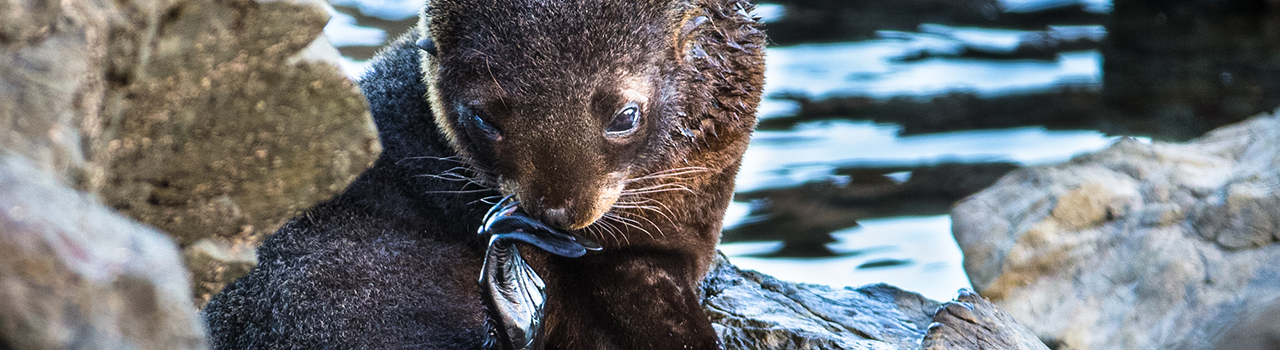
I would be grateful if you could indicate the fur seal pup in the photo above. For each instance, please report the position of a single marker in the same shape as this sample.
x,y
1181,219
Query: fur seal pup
x,y
618,121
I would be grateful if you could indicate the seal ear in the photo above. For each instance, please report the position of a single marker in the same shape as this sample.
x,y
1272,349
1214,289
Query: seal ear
x,y
684,38
428,45
424,21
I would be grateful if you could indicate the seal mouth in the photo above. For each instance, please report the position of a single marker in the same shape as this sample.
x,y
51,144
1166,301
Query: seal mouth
x,y
506,221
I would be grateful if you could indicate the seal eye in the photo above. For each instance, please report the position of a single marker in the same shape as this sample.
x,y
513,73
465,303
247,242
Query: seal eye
x,y
625,121
477,119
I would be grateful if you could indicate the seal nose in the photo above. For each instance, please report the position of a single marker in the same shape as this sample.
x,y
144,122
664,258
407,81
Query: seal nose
x,y
558,217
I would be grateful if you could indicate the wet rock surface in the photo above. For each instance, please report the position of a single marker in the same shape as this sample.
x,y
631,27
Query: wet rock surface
x,y
972,322
1138,246
751,310
213,121
76,275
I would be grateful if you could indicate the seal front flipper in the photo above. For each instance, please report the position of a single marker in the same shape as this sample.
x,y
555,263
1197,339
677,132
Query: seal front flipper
x,y
504,222
512,292
513,296
530,231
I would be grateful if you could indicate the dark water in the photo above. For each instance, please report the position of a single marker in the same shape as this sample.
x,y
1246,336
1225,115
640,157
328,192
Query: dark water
x,y
880,114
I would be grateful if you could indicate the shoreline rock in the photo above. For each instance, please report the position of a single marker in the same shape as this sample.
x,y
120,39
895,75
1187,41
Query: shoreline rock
x,y
213,121
76,274
751,310
1138,246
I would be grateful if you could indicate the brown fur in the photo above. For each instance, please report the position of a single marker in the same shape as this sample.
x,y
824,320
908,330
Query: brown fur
x,y
550,75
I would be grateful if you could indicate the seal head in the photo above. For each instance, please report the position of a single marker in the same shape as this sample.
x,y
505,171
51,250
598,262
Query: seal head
x,y
564,104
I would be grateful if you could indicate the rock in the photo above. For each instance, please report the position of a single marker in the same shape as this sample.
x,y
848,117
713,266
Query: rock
x,y
214,263
206,119
54,78
972,322
1138,246
75,275
751,310
241,120
1259,331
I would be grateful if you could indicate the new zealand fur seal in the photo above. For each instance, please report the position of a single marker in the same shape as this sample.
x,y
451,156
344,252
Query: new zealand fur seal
x,y
623,122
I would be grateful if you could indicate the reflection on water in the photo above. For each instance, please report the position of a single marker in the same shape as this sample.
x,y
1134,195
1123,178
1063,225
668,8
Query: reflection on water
x,y
811,151
839,20
875,69
913,253
880,114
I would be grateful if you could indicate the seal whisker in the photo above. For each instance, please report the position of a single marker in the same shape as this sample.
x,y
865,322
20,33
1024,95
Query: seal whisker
x,y
613,231
468,182
446,177
660,213
591,230
681,175
640,192
452,174
630,223
453,158
660,186
620,236
640,200
657,190
652,208
487,200
626,206
655,226
459,191
669,173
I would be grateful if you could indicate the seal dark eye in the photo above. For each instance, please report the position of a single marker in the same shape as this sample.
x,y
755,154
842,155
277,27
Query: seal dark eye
x,y
478,121
625,121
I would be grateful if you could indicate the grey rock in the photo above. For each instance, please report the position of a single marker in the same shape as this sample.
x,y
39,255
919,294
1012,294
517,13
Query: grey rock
x,y
751,310
215,262
240,120
1260,330
54,78
206,119
75,275
1138,246
972,322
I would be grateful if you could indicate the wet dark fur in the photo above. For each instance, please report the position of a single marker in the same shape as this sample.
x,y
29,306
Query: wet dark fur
x,y
392,262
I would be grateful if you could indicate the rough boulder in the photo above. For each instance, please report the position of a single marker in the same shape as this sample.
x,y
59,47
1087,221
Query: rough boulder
x,y
1138,246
